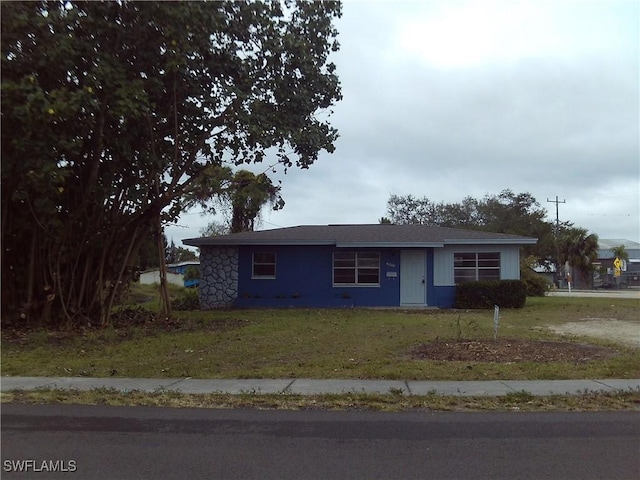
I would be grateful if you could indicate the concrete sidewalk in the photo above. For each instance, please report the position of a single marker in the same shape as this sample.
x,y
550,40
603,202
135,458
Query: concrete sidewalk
x,y
304,386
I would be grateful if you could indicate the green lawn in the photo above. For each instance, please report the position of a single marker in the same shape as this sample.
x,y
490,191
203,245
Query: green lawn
x,y
316,343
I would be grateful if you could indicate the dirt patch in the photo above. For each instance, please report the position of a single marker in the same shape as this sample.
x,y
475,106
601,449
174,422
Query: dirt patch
x,y
504,350
621,331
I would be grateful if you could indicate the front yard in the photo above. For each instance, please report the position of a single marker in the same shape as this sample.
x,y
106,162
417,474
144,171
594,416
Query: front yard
x,y
340,343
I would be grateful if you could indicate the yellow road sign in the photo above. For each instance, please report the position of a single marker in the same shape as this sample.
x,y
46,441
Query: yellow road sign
x,y
617,263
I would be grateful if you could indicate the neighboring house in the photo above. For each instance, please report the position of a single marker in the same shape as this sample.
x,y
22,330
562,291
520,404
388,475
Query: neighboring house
x,y
604,274
153,276
546,272
351,265
175,274
181,267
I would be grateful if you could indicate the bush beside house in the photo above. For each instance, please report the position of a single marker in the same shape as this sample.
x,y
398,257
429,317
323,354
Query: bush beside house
x,y
488,293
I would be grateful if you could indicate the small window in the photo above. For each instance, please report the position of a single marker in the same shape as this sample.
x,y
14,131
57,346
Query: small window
x,y
264,265
469,267
356,268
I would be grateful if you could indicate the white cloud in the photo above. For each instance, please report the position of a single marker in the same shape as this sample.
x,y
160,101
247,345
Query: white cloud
x,y
449,99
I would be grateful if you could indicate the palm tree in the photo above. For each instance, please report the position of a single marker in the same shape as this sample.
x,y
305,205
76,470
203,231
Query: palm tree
x,y
579,249
248,194
620,252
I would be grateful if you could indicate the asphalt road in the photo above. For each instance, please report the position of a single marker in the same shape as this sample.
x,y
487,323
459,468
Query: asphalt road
x,y
94,442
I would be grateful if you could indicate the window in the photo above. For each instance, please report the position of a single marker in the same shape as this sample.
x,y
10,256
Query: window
x,y
264,265
356,268
469,267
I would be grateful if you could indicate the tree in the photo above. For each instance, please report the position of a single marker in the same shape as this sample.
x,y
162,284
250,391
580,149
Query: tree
x,y
620,252
241,197
184,254
411,210
580,250
507,212
241,200
148,254
214,229
114,112
247,195
170,252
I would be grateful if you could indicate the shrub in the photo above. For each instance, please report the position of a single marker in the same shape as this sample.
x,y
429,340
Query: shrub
x,y
192,273
188,299
487,293
537,285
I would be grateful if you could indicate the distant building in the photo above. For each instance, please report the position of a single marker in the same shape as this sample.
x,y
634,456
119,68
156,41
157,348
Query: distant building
x,y
604,275
153,276
175,274
181,267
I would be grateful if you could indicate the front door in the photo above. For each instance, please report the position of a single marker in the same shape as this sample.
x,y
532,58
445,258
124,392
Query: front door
x,y
413,286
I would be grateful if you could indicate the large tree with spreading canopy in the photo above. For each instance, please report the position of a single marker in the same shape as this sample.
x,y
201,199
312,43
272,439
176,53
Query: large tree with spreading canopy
x,y
507,212
114,112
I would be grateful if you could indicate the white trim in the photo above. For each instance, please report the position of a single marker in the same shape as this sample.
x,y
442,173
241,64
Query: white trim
x,y
253,265
355,269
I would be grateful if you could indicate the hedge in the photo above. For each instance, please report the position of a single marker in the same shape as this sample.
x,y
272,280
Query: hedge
x,y
536,284
487,293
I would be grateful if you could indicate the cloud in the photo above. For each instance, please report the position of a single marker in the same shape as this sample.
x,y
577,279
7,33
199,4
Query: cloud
x,y
450,99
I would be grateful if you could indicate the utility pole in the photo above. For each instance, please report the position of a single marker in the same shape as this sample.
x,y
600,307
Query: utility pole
x,y
556,201
555,236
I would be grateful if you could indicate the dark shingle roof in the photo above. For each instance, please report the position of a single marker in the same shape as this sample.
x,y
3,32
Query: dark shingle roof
x,y
376,235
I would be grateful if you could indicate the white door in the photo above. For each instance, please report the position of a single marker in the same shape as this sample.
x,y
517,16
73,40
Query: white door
x,y
413,281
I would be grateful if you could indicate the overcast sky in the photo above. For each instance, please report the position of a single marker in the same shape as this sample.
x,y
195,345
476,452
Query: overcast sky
x,y
446,99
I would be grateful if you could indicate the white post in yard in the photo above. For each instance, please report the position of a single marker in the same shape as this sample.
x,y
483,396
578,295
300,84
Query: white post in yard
x,y
496,321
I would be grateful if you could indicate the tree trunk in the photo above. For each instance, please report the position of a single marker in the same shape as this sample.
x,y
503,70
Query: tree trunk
x,y
165,302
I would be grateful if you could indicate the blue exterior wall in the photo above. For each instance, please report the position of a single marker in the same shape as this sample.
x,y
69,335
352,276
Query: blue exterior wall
x,y
438,296
444,297
304,279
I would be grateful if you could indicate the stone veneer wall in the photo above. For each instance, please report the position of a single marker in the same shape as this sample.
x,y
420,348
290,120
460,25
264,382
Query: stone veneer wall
x,y
219,276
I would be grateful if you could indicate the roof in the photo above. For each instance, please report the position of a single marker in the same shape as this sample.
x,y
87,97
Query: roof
x,y
609,243
605,246
375,235
183,263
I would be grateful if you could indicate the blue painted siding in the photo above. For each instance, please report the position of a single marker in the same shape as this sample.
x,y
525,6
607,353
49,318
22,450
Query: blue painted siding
x,y
444,297
304,277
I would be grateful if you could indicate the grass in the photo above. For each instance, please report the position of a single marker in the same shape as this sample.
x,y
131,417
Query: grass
x,y
312,343
518,401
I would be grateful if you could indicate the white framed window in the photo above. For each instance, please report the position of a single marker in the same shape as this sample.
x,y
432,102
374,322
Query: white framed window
x,y
356,268
264,265
470,266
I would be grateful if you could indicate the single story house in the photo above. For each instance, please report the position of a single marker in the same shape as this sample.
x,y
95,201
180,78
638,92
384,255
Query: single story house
x,y
175,274
181,267
153,277
351,265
